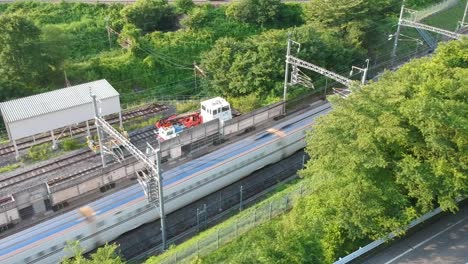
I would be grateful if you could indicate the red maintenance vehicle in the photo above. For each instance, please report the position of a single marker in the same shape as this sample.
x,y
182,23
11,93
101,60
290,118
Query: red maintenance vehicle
x,y
211,109
188,120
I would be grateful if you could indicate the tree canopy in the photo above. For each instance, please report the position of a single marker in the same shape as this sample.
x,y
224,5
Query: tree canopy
x,y
26,59
390,152
20,51
393,150
150,15
238,68
259,12
104,255
357,20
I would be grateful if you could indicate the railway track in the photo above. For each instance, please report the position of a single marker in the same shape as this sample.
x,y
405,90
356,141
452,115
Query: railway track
x,y
7,180
14,179
80,129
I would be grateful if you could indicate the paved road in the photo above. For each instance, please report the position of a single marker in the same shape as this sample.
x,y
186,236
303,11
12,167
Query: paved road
x,y
445,242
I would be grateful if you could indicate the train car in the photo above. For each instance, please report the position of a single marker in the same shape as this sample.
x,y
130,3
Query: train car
x,y
9,214
107,218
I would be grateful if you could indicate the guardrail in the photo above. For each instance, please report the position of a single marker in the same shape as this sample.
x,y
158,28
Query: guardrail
x,y
375,244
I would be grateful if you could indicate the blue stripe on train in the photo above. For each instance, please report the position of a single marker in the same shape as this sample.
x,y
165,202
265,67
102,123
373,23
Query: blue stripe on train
x,y
61,228
260,140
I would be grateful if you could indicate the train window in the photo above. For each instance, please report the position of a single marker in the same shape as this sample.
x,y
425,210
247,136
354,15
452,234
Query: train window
x,y
100,224
53,248
78,237
26,260
148,206
203,107
225,108
40,254
215,112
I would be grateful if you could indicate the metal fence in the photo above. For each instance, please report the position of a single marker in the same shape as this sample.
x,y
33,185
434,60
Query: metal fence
x,y
248,220
215,208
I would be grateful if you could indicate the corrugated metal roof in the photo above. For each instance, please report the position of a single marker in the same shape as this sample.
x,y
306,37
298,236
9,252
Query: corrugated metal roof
x,y
36,105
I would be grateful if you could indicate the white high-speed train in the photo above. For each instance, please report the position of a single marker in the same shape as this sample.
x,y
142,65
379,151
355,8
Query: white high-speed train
x,y
128,208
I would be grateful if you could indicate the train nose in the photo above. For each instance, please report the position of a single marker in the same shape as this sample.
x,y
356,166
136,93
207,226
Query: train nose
x,y
87,212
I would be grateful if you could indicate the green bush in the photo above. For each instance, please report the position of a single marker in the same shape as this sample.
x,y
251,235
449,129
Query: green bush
x,y
71,144
245,104
197,18
187,107
40,152
141,122
420,3
150,15
259,12
9,167
184,5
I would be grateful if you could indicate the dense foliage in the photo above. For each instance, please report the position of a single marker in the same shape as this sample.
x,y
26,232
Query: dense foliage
x,y
392,151
256,66
71,39
258,12
358,21
24,60
150,15
104,255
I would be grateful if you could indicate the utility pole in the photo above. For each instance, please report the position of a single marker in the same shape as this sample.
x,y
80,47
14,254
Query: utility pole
x,y
195,74
397,34
108,32
67,82
286,74
160,195
150,177
364,71
462,23
98,130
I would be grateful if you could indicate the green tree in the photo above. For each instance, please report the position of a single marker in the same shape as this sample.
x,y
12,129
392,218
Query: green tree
x,y
197,17
360,21
261,12
104,255
238,68
184,5
150,15
391,151
388,153
12,89
21,57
